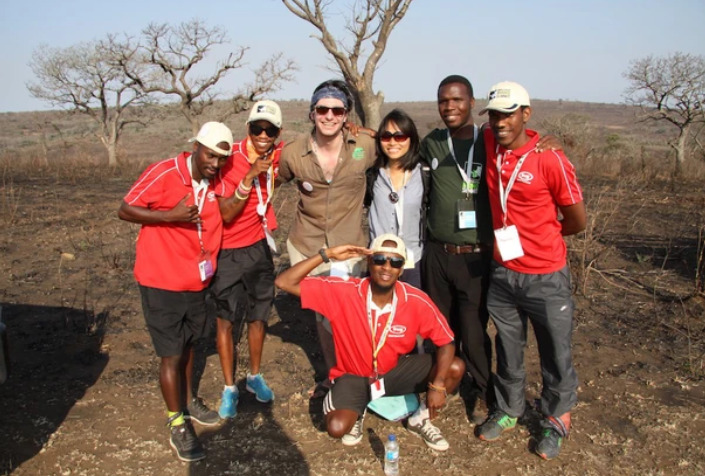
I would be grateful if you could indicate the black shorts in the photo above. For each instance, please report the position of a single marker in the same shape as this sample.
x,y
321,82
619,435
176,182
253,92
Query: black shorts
x,y
244,274
174,319
352,392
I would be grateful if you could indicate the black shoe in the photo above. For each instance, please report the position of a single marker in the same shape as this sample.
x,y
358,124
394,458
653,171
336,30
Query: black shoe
x,y
198,411
184,441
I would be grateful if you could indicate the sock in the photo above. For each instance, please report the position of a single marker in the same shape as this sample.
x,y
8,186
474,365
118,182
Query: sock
x,y
232,388
176,421
419,415
251,376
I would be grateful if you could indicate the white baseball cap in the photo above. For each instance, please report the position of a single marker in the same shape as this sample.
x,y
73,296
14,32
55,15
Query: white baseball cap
x,y
507,97
212,134
398,248
266,111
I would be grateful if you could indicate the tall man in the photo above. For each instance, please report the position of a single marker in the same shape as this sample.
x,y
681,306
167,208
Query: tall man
x,y
530,275
375,323
176,255
459,248
329,166
245,266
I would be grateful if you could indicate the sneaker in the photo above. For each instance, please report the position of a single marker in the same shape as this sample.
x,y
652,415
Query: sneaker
x,y
200,413
430,434
497,423
551,439
480,412
184,441
228,403
354,436
257,385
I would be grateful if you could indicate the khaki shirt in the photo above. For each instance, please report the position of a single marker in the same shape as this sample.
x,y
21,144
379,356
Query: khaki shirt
x,y
328,214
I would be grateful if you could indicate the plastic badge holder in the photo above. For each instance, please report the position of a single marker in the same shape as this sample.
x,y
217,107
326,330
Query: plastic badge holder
x,y
395,407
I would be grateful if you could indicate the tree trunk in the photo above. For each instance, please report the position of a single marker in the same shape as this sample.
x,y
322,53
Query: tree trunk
x,y
368,106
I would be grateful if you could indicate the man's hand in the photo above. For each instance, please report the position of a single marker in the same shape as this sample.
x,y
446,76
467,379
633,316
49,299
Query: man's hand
x,y
549,142
259,166
435,400
343,252
184,213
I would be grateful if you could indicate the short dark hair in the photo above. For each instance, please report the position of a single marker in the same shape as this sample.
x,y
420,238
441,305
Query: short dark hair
x,y
339,85
406,125
456,78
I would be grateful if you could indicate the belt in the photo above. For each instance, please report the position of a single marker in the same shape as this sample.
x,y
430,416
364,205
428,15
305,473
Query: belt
x,y
463,249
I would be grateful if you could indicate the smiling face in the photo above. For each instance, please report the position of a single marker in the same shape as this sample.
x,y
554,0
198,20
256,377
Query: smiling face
x,y
325,119
392,149
509,128
262,141
455,105
206,162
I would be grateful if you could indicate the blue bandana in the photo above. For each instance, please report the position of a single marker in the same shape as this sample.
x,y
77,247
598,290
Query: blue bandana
x,y
329,92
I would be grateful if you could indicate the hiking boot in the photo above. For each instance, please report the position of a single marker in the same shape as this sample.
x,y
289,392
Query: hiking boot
x,y
198,411
551,439
354,436
257,385
497,423
228,403
430,434
183,440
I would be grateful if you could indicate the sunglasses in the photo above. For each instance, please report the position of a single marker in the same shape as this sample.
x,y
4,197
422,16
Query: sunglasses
x,y
323,110
386,136
271,131
394,261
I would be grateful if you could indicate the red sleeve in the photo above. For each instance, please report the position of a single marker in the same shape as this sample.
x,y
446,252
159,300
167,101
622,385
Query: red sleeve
x,y
147,190
433,324
560,177
314,291
228,178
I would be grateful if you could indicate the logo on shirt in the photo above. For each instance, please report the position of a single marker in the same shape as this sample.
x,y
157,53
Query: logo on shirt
x,y
525,177
358,153
211,196
397,330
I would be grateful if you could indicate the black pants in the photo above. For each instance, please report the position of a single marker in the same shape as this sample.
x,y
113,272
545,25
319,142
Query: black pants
x,y
458,286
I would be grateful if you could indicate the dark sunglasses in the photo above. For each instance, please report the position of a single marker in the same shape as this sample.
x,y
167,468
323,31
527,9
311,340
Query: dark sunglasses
x,y
394,261
323,110
386,136
271,131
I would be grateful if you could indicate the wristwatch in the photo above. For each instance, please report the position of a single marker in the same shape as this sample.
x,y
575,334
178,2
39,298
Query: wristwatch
x,y
323,254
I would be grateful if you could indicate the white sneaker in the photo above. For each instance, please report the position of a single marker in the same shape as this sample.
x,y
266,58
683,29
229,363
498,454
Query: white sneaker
x,y
354,436
430,434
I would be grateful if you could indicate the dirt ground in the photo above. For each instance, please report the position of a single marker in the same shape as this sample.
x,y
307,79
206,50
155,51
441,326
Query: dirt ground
x,y
83,394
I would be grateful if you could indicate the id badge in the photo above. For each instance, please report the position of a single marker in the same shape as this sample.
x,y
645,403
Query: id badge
x,y
410,261
466,215
205,266
508,243
377,389
270,240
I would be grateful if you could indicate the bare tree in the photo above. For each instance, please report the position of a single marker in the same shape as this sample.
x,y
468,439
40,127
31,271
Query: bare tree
x,y
85,79
670,89
171,54
370,23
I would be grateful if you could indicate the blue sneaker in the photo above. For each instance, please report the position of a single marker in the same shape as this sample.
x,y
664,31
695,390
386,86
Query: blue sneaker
x,y
257,385
228,403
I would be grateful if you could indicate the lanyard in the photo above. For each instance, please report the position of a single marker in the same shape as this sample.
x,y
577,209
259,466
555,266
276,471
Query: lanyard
x,y
399,205
504,194
200,190
373,327
262,204
468,164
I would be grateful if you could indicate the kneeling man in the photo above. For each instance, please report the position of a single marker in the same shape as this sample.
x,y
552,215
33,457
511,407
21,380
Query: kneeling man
x,y
375,322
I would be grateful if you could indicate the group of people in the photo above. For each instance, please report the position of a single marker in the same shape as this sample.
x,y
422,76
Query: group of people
x,y
448,247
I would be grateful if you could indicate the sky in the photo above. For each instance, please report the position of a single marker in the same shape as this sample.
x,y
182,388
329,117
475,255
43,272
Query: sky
x,y
569,49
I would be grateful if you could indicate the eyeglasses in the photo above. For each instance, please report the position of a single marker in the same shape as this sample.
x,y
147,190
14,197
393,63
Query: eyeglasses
x,y
271,131
398,137
323,110
394,261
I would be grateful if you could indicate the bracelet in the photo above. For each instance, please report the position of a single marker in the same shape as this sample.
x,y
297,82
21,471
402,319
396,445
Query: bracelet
x,y
240,196
243,187
437,388
243,192
324,255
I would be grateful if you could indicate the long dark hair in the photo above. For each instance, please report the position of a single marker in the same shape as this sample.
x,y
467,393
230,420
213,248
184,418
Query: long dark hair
x,y
406,125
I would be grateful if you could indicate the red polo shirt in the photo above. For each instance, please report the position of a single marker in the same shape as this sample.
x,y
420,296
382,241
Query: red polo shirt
x,y
546,180
246,228
344,303
168,253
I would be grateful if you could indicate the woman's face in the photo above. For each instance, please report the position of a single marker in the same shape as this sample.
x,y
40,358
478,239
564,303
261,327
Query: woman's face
x,y
395,144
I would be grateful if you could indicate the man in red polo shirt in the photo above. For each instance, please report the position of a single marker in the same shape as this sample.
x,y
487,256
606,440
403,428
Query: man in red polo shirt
x,y
245,267
177,247
370,365
530,276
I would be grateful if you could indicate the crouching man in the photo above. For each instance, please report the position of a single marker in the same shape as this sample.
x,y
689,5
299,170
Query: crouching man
x,y
375,322
177,251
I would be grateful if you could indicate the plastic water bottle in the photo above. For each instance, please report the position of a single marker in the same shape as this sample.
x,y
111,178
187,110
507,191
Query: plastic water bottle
x,y
391,456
